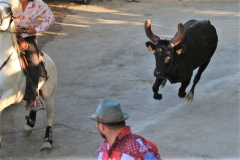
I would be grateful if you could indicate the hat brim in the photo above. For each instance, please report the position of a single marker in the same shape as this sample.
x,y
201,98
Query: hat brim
x,y
125,116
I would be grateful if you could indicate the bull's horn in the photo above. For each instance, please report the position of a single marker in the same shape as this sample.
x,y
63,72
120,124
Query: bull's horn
x,y
149,33
179,35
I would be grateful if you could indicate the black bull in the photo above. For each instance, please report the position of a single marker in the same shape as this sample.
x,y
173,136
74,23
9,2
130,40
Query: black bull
x,y
192,47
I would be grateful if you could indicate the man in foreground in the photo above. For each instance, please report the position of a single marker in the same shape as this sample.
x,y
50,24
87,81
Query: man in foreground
x,y
119,142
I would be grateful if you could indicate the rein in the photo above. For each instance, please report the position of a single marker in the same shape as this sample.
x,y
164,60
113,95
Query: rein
x,y
8,31
4,63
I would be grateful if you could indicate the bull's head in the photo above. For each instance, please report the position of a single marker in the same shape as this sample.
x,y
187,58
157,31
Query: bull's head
x,y
164,49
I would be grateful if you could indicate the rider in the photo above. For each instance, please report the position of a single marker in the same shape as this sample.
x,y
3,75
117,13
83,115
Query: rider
x,y
26,23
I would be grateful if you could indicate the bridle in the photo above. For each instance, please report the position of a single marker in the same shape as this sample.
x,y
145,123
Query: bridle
x,y
3,17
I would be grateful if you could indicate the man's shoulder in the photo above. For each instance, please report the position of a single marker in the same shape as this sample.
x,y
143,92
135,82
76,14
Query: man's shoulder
x,y
136,141
143,144
139,138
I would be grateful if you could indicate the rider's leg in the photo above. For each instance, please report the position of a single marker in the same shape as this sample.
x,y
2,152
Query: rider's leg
x,y
34,70
32,56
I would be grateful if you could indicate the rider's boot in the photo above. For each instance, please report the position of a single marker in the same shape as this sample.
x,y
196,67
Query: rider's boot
x,y
35,105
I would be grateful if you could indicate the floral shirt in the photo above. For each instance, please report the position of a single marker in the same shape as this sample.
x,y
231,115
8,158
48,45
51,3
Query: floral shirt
x,y
128,146
29,17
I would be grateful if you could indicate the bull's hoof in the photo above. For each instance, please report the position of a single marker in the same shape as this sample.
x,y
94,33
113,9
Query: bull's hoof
x,y
182,95
46,148
189,97
27,131
157,96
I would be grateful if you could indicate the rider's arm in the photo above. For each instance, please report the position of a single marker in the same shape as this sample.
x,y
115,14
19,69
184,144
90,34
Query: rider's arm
x,y
48,18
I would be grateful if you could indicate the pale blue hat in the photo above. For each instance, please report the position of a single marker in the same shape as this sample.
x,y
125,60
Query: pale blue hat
x,y
109,111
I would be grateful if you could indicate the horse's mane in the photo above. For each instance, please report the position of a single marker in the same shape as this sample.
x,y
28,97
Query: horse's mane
x,y
14,37
15,4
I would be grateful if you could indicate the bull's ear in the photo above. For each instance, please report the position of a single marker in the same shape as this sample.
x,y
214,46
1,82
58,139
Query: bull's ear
x,y
150,46
180,49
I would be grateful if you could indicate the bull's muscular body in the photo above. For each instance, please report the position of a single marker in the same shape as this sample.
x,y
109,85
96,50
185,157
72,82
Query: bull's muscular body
x,y
192,47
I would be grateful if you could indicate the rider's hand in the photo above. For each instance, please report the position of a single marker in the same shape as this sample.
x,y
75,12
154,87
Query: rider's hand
x,y
30,30
19,30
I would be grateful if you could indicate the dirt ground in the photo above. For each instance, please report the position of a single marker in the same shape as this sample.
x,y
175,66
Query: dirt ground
x,y
99,50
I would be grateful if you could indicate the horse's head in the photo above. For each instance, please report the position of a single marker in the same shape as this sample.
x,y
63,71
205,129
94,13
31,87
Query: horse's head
x,y
6,18
6,12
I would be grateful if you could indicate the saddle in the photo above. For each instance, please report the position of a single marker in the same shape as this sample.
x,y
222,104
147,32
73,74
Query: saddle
x,y
23,45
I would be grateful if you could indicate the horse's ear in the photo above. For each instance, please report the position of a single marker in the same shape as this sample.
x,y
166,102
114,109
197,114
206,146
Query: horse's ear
x,y
150,46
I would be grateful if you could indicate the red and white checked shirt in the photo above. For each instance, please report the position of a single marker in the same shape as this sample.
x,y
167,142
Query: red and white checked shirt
x,y
128,146
29,18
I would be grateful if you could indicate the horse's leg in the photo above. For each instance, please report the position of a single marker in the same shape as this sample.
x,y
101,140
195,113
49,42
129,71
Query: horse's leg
x,y
197,77
47,93
0,129
47,141
31,119
6,100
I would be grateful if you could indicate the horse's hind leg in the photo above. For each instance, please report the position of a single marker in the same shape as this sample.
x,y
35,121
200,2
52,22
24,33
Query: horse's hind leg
x,y
47,141
31,119
47,93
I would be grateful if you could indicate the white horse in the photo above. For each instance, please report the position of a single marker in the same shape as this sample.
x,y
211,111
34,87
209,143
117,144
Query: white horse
x,y
13,80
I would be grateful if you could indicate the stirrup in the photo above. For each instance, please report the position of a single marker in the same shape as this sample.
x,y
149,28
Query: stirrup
x,y
35,105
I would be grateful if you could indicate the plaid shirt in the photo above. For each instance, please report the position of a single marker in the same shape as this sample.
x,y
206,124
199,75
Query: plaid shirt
x,y
29,18
128,146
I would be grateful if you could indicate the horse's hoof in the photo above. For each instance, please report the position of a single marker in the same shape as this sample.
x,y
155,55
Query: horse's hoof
x,y
27,131
182,95
157,96
46,148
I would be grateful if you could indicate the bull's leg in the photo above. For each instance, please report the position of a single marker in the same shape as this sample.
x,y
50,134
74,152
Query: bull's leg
x,y
197,77
181,91
31,119
163,83
155,89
